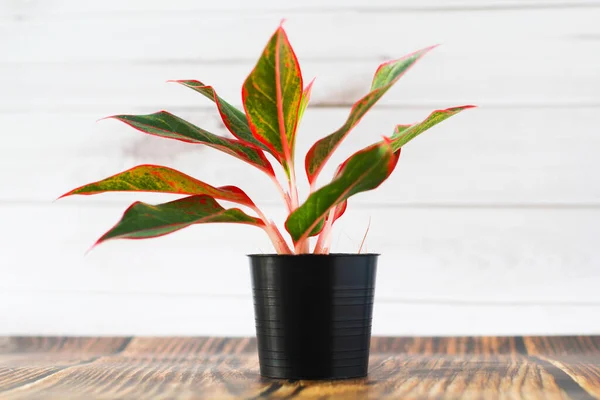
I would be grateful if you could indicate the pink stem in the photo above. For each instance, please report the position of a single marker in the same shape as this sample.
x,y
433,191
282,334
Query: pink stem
x,y
364,237
274,234
293,188
322,246
284,195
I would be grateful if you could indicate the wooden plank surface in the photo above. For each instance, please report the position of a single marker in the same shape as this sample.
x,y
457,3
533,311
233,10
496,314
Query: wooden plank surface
x,y
577,357
164,36
55,8
208,367
450,271
534,157
518,251
452,74
489,225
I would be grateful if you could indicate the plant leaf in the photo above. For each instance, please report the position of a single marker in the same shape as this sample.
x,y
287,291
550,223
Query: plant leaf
x,y
305,99
401,128
234,119
272,94
155,178
385,77
340,209
405,133
167,125
142,220
363,171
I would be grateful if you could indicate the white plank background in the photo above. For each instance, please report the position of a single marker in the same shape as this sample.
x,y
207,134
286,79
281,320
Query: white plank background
x,y
490,224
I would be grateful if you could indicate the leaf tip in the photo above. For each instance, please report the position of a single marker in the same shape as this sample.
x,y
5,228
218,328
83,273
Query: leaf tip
x,y
93,246
109,117
64,195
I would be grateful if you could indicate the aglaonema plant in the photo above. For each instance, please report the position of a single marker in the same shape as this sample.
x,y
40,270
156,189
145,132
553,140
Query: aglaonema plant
x,y
274,99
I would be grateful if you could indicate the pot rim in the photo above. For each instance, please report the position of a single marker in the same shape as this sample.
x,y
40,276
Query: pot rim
x,y
310,255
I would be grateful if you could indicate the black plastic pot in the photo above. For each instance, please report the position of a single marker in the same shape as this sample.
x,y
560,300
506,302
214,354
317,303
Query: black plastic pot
x,y
313,314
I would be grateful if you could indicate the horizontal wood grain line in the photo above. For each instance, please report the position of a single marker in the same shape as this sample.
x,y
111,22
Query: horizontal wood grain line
x,y
102,109
482,156
116,315
400,367
227,60
248,297
31,345
25,202
468,255
22,15
565,381
448,76
138,39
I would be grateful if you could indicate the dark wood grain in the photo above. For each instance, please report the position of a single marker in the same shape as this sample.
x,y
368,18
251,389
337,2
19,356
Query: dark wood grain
x,y
576,356
227,368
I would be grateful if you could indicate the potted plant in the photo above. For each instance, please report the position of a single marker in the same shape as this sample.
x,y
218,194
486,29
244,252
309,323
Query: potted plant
x,y
313,309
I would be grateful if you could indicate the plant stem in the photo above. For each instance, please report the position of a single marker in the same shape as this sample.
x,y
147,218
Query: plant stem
x,y
365,236
272,231
322,246
293,187
278,241
284,195
303,246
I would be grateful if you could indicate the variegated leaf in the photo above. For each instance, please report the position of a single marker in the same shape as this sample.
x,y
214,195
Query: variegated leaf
x,y
155,178
385,77
305,99
340,209
363,171
272,94
405,133
234,119
167,125
142,220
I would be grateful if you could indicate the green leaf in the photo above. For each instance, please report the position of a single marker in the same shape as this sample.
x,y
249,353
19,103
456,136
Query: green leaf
x,y
155,178
305,98
386,75
142,220
401,128
365,170
272,94
339,211
167,125
405,133
234,119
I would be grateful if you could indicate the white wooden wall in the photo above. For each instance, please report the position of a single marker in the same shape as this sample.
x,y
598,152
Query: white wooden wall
x,y
490,225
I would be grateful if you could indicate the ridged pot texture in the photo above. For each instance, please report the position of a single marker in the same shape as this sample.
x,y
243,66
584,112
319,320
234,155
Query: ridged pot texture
x,y
313,314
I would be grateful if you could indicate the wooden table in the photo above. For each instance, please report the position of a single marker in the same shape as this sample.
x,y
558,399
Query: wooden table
x,y
223,368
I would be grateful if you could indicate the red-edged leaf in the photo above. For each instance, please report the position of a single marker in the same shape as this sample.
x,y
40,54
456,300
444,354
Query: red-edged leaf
x,y
272,94
386,75
401,128
155,178
363,171
142,221
340,209
234,119
405,133
167,125
305,99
